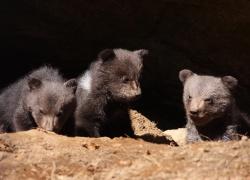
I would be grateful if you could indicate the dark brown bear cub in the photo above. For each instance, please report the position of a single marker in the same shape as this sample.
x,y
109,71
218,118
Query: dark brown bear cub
x,y
41,99
105,90
211,110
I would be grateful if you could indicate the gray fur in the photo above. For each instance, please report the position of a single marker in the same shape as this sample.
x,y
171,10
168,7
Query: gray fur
x,y
40,99
211,111
102,104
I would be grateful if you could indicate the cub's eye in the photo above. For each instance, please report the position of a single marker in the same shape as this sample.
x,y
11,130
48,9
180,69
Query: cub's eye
x,y
189,97
41,111
209,100
59,114
125,79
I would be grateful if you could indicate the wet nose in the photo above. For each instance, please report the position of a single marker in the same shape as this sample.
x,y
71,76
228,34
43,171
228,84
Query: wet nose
x,y
49,123
196,106
137,96
134,85
194,112
138,91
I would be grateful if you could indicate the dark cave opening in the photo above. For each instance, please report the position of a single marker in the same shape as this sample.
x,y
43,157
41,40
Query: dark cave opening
x,y
207,37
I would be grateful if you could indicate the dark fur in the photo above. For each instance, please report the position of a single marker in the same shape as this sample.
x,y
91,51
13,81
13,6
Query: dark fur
x,y
103,110
40,99
211,110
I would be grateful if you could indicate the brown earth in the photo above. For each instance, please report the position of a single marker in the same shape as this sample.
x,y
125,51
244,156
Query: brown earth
x,y
37,154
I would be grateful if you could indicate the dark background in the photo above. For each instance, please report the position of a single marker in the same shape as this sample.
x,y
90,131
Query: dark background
x,y
206,36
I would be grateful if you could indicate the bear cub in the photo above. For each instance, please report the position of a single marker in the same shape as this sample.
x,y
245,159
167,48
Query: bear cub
x,y
41,99
105,90
211,110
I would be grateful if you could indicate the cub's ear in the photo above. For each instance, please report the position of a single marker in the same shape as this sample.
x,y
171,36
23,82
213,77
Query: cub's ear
x,y
141,52
185,74
72,83
230,82
106,55
34,83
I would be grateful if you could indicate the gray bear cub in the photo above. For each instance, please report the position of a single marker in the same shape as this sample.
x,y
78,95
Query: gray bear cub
x,y
40,99
211,110
105,90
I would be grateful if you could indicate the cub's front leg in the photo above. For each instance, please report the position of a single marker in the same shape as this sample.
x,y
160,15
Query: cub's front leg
x,y
192,133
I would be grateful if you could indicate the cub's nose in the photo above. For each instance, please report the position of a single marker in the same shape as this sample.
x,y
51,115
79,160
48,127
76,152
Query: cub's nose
x,y
137,96
194,112
138,93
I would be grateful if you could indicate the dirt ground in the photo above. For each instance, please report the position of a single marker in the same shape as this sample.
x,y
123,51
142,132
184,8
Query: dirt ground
x,y
37,154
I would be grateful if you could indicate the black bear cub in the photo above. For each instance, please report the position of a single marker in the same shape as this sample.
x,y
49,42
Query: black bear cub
x,y
211,110
105,90
40,99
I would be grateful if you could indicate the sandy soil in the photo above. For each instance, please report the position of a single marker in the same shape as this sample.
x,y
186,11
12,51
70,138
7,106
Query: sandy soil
x,y
37,154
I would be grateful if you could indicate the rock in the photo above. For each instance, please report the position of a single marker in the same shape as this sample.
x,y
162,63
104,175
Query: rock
x,y
147,130
178,135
